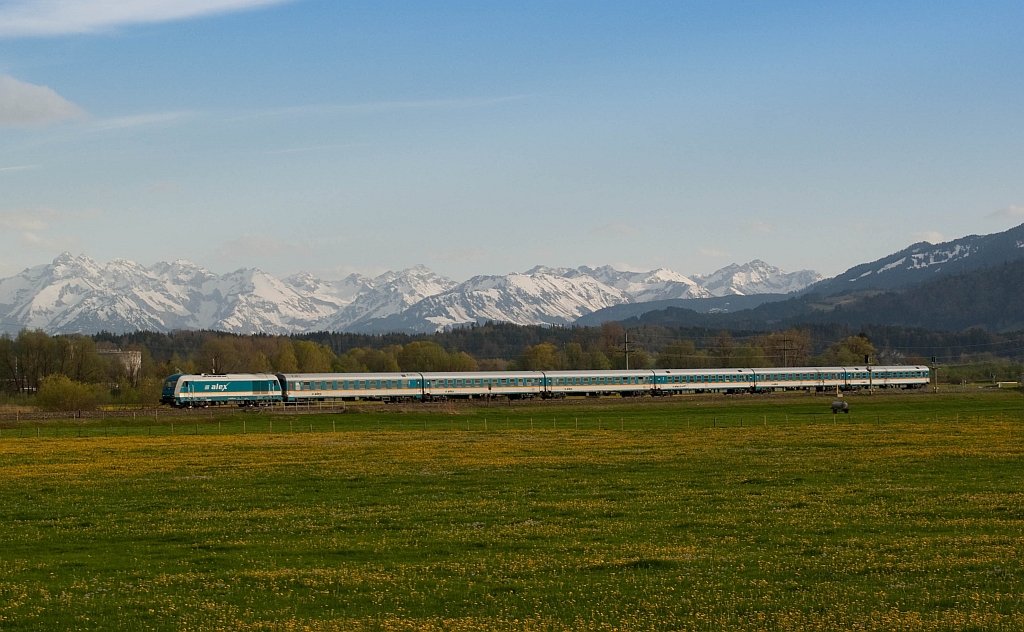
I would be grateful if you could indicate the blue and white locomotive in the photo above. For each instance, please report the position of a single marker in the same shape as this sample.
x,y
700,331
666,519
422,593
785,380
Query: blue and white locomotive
x,y
260,389
247,389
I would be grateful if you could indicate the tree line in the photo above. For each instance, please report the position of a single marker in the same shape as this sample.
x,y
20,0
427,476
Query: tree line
x,y
90,370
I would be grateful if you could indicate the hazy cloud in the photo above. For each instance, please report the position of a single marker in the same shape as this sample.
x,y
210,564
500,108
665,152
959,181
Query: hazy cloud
x,y
629,267
711,252
47,244
931,236
28,105
298,150
757,226
1010,212
57,17
464,255
24,220
379,106
614,230
249,245
163,188
18,168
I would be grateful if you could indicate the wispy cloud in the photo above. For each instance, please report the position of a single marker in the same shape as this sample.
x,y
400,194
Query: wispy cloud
x,y
28,105
931,236
22,18
24,220
298,150
19,168
1010,212
47,244
40,218
379,106
140,120
712,253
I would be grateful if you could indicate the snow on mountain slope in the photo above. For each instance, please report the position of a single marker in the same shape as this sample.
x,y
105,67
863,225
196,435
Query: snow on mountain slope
x,y
390,293
77,294
535,298
656,285
924,261
756,277
338,294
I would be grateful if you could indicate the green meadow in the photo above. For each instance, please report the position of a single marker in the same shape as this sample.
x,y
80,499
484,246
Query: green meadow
x,y
699,513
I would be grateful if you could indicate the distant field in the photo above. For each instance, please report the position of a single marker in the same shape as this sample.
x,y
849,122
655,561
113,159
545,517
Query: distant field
x,y
710,513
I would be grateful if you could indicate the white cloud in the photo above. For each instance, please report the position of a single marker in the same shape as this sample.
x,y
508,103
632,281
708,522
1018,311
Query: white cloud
x,y
23,220
931,236
19,168
27,105
20,18
711,252
1010,212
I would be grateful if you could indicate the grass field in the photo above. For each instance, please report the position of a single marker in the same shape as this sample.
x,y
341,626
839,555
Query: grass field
x,y
710,513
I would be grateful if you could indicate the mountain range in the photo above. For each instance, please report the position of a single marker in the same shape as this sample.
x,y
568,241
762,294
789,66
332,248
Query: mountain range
x,y
973,282
79,295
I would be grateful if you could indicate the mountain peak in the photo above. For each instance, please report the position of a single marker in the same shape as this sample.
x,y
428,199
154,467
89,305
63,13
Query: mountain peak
x,y
64,259
77,294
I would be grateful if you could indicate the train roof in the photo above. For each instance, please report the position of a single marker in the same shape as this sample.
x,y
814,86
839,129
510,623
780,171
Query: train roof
x,y
228,376
351,376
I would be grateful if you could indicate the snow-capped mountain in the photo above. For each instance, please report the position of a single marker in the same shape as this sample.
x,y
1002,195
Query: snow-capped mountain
x,y
756,277
542,296
558,296
338,294
656,285
79,295
924,261
390,293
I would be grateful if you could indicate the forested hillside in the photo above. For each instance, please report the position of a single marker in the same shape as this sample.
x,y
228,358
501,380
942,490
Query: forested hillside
x,y
989,298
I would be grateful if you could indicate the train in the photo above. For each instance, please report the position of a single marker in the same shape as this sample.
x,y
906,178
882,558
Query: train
x,y
264,389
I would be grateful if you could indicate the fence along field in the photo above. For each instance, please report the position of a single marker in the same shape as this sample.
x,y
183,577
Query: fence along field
x,y
905,515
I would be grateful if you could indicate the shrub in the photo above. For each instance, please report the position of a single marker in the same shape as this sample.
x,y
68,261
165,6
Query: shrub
x,y
59,392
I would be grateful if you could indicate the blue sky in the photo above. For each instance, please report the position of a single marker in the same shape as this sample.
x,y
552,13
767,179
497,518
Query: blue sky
x,y
483,137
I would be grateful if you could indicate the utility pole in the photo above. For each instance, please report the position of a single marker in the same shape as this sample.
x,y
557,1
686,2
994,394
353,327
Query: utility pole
x,y
785,348
625,349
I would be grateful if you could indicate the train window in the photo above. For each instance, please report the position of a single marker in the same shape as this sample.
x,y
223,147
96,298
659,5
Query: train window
x,y
306,385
